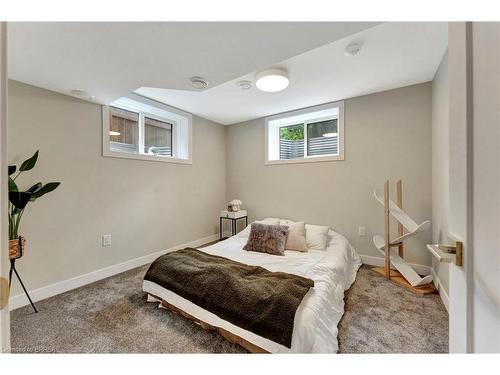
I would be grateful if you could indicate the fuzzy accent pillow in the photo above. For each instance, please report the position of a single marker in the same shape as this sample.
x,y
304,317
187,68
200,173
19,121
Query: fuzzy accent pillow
x,y
296,239
266,238
269,220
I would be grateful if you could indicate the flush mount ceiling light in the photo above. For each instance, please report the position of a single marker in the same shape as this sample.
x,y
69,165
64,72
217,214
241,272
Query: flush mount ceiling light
x,y
244,85
81,94
353,48
272,80
199,83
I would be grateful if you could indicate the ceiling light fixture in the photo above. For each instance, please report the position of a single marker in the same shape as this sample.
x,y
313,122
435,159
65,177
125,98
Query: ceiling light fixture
x,y
244,85
353,48
272,80
199,83
112,132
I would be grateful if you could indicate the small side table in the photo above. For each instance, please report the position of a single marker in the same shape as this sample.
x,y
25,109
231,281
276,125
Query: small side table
x,y
234,217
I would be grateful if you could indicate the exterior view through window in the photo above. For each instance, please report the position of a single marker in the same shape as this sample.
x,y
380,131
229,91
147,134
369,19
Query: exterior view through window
x,y
311,139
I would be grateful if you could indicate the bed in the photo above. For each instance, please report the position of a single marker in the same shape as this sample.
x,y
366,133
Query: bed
x,y
315,326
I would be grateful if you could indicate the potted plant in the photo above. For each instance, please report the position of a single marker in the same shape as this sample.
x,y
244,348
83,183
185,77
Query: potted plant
x,y
17,203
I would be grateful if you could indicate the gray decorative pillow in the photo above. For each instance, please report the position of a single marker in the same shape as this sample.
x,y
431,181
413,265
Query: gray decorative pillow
x,y
266,238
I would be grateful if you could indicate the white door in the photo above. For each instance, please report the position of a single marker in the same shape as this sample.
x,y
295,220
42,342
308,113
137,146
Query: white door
x,y
474,76
4,309
484,272
460,177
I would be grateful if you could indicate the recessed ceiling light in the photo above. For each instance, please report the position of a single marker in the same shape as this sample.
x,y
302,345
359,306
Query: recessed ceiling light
x,y
353,48
244,85
81,94
112,132
199,83
272,80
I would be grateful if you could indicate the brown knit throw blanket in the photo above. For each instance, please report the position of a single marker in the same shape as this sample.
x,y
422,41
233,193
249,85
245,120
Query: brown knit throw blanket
x,y
250,297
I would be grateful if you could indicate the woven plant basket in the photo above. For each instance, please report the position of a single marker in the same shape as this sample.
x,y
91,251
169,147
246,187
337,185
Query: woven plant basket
x,y
16,248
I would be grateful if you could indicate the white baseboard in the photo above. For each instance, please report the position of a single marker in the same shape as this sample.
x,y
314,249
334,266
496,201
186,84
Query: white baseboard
x,y
441,290
379,261
75,282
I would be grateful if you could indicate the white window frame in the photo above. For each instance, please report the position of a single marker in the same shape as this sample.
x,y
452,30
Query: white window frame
x,y
181,129
304,116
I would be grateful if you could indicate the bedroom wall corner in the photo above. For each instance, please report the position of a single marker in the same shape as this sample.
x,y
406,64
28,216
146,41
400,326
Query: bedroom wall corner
x,y
387,136
440,168
146,206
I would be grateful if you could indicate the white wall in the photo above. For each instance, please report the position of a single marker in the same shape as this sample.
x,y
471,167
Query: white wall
x,y
146,206
441,165
387,136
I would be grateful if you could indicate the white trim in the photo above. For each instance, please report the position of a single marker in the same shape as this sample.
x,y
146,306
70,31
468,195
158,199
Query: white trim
x,y
78,281
379,261
441,290
276,121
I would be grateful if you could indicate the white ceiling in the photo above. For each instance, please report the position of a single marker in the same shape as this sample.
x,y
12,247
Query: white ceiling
x,y
110,60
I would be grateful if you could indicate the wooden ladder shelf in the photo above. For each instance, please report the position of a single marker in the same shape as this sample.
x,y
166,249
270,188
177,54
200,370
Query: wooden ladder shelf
x,y
403,274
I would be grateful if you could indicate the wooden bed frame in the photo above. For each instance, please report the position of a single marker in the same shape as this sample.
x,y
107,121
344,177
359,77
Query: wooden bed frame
x,y
231,337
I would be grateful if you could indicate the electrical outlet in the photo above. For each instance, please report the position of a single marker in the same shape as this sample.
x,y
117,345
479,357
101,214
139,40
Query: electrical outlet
x,y
362,231
106,240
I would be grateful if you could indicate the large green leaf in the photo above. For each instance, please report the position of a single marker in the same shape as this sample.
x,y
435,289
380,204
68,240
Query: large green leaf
x,y
35,187
12,169
12,185
30,163
19,199
47,188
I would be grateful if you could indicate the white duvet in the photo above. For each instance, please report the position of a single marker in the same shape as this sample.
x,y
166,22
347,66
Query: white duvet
x,y
315,327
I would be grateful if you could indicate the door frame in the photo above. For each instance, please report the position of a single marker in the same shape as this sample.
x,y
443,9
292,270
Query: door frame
x,y
4,260
461,180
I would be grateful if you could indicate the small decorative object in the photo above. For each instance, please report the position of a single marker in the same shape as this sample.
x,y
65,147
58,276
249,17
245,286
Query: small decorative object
x,y
17,204
235,205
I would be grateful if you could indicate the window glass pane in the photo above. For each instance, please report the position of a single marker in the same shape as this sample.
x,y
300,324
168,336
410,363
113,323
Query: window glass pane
x,y
123,130
292,141
323,138
157,137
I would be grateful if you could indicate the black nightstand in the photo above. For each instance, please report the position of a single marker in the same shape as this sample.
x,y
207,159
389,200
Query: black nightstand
x,y
234,217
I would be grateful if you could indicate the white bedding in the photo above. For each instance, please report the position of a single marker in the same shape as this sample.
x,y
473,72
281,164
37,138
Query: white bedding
x,y
315,327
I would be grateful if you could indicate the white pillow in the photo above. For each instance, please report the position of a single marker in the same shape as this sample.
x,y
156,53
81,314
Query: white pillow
x,y
269,220
316,237
296,239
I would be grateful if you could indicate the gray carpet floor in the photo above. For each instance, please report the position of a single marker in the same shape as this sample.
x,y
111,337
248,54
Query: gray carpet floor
x,y
112,316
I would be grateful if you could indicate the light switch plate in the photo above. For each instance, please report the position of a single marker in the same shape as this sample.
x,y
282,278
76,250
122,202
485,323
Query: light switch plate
x,y
106,240
362,231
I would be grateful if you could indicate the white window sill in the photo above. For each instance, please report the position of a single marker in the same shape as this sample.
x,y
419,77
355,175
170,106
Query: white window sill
x,y
310,159
123,155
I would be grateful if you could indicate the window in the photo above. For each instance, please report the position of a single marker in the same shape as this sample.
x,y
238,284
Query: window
x,y
307,135
123,130
138,128
157,137
291,141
